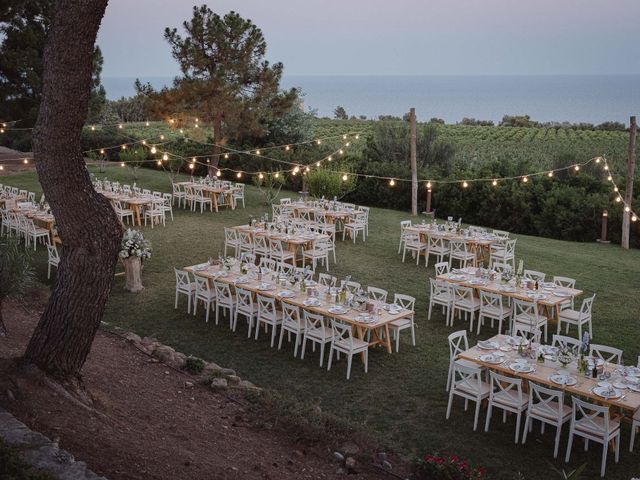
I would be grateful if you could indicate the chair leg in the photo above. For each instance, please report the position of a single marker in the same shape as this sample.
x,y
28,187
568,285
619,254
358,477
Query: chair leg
x,y
475,420
487,421
569,445
558,432
526,428
349,360
280,341
605,448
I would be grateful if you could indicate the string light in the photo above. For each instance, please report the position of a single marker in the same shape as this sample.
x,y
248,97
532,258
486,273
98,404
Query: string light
x,y
550,174
525,179
465,184
193,159
161,137
146,124
260,176
609,178
598,160
344,137
296,169
307,170
218,173
357,136
159,162
330,158
239,174
120,126
634,218
606,167
287,148
25,161
615,189
181,131
318,164
494,183
345,177
627,209
93,129
277,175
618,199
429,185
102,151
576,167
340,151
144,142
122,164
165,157
257,152
124,147
191,165
392,182
318,141
1,167
154,149
226,156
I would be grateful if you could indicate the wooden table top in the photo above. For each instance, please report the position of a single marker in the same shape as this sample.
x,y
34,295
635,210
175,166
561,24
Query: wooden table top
x,y
208,188
426,229
131,200
500,288
293,239
351,316
629,400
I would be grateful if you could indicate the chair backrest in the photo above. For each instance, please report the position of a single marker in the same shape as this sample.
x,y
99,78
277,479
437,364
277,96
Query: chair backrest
x,y
342,333
436,243
245,240
305,272
608,354
223,292
488,299
442,268
52,252
525,308
457,343
248,257
589,416
285,201
291,315
275,210
377,294
457,247
284,267
563,340
462,293
564,281
587,307
510,248
260,243
175,188
326,280
501,233
525,331
405,301
182,278
534,275
266,307
500,267
313,321
439,288
230,235
467,378
202,285
267,263
351,286
244,299
275,246
547,401
502,385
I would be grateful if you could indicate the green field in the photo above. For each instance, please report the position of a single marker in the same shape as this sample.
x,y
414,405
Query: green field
x,y
402,400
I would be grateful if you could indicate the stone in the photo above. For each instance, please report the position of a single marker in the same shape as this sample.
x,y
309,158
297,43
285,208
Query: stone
x,y
132,337
211,368
247,385
227,371
338,457
233,380
350,448
149,344
178,360
219,383
387,464
188,385
164,353
350,463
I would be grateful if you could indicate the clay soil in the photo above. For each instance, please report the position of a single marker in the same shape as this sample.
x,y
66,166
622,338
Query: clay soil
x,y
150,425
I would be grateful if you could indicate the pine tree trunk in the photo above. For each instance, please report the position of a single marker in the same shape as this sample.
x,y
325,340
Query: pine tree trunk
x,y
217,138
3,329
87,225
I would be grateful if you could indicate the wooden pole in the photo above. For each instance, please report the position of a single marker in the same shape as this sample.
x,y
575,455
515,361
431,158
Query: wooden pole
x,y
603,231
428,208
414,166
628,191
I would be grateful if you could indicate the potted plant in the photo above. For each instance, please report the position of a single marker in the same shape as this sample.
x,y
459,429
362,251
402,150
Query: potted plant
x,y
133,249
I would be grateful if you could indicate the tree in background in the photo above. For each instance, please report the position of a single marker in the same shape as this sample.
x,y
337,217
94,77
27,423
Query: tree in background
x,y
340,113
16,274
24,27
323,182
225,80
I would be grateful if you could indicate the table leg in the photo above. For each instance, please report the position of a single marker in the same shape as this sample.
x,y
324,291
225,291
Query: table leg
x,y
136,212
360,334
387,338
214,200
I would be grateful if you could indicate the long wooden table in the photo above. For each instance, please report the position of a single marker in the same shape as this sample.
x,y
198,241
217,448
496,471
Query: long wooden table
x,y
551,303
477,243
293,241
135,202
380,323
213,191
629,401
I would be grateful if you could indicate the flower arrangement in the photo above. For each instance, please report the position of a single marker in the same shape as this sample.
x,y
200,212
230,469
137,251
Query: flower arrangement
x,y
134,245
447,467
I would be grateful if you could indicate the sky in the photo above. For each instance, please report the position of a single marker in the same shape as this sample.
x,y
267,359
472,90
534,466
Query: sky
x,y
397,37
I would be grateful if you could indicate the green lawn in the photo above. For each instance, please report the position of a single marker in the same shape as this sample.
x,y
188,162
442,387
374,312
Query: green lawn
x,y
402,399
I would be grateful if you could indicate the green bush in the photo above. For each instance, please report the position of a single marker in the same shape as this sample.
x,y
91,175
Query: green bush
x,y
328,183
194,365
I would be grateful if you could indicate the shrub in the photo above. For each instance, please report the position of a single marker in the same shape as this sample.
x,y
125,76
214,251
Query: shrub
x,y
329,183
447,467
194,365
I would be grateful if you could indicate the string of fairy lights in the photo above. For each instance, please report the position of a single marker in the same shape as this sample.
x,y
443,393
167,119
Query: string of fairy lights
x,y
298,168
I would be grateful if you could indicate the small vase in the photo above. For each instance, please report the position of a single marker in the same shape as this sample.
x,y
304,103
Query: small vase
x,y
133,273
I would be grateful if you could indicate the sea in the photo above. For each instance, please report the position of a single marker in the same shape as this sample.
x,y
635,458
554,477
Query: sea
x,y
545,98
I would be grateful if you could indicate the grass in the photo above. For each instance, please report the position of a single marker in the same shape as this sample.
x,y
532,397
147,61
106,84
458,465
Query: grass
x,y
402,400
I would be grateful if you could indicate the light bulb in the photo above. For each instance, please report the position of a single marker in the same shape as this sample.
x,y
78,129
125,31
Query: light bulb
x,y
277,175
93,129
576,167
341,152
102,151
296,169
239,174
165,157
193,159
525,179
330,158
609,178
181,131
25,161
429,184
159,162
154,149
260,176
287,148
122,164
120,126
197,126
191,165
146,123
1,130
307,169
124,147
615,189
598,160
144,142
606,167
345,177
618,199
318,142
357,137
465,184
318,164
344,137
347,144
218,173
171,120
550,174
2,168
392,182
633,217
627,209
257,152
226,155
161,137
494,183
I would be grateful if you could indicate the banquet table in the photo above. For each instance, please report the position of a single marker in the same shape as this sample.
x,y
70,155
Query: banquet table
x,y
477,243
135,202
550,299
336,217
376,324
213,192
628,401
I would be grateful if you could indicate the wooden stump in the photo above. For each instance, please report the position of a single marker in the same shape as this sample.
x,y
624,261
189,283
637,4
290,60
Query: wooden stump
x,y
133,272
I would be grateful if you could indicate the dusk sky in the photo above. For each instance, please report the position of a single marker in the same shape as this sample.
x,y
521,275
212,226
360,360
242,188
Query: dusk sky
x,y
410,37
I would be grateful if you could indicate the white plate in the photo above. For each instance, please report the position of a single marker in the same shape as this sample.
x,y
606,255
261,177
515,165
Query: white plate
x,y
286,294
243,279
604,385
519,367
620,385
492,358
477,281
365,318
632,380
458,277
604,393
562,294
338,310
549,350
265,286
633,371
487,345
634,388
563,380
507,288
515,341
505,348
313,302
536,296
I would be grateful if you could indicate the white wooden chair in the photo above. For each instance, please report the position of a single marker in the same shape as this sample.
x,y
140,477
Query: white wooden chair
x,y
247,257
246,307
292,322
285,201
458,343
534,275
317,331
53,259
230,240
356,225
261,246
33,233
441,268
592,422
440,294
567,283
199,198
326,280
184,286
436,246
330,231
278,253
268,315
491,308
377,294
344,342
635,424
501,234
506,394
464,301
578,318
179,195
547,406
225,301
238,194
527,318
285,268
608,354
407,302
267,263
467,383
245,242
318,251
458,251
404,224
350,286
203,293
562,341
505,253
167,204
155,213
123,213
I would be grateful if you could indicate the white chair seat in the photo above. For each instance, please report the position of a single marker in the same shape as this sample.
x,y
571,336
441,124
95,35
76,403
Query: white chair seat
x,y
467,363
475,303
545,413
358,345
494,311
510,398
442,298
485,388
324,333
588,427
527,320
400,323
569,315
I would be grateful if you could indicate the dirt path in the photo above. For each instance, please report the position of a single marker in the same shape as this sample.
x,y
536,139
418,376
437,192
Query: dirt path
x,y
153,426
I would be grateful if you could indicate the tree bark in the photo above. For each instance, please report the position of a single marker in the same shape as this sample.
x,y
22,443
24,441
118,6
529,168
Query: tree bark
x,y
3,328
217,137
414,167
87,225
628,191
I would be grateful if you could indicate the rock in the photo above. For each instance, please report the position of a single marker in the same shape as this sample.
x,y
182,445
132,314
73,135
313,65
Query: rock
x,y
188,384
247,385
233,380
350,448
227,371
132,337
150,344
164,353
341,471
387,464
178,360
211,368
219,383
338,457
350,463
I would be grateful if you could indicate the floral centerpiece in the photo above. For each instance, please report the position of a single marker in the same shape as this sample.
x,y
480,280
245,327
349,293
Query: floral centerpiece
x,y
133,249
565,355
449,467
